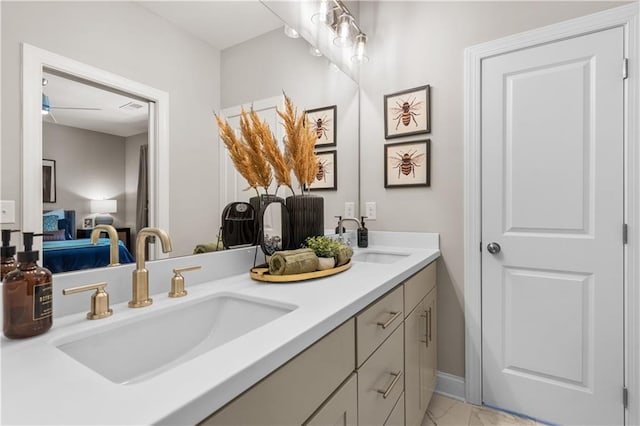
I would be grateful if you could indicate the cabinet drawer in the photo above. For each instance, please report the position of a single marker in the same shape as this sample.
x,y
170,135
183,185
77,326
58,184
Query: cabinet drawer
x,y
341,409
294,391
418,286
396,418
381,381
377,322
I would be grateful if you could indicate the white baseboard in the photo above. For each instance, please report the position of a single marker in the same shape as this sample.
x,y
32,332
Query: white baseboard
x,y
450,386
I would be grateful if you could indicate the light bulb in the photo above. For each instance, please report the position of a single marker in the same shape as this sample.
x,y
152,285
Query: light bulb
x,y
324,10
359,51
344,31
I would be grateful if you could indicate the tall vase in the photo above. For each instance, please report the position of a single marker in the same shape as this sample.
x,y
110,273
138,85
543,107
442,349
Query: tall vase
x,y
306,213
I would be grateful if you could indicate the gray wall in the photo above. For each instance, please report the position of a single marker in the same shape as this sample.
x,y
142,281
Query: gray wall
x,y
128,40
417,43
272,63
89,166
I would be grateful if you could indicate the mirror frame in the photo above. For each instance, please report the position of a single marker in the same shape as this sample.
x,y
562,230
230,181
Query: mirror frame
x,y
34,60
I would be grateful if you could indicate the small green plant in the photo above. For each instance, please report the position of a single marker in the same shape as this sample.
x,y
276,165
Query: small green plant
x,y
323,246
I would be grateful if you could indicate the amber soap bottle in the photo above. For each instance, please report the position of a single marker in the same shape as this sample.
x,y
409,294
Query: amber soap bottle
x,y
7,254
27,295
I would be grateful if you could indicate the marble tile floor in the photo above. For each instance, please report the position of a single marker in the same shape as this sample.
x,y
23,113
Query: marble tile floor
x,y
445,411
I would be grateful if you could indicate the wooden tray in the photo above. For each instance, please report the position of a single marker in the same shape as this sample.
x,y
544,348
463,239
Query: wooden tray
x,y
261,273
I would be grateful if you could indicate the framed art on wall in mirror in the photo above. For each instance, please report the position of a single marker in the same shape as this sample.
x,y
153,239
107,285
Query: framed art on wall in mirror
x,y
323,121
327,173
48,181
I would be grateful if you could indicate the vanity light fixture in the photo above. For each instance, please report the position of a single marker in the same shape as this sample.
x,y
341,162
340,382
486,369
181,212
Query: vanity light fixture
x,y
359,54
290,32
324,14
343,38
334,14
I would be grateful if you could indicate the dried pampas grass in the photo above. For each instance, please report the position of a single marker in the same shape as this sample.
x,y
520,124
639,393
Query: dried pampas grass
x,y
253,141
300,144
238,152
274,156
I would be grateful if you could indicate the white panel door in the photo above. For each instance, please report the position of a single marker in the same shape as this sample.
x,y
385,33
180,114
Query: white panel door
x,y
552,199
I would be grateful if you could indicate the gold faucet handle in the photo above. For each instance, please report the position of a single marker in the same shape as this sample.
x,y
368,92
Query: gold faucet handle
x,y
177,282
99,300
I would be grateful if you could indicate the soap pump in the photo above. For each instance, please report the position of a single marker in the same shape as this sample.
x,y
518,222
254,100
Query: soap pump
x,y
363,234
27,295
7,253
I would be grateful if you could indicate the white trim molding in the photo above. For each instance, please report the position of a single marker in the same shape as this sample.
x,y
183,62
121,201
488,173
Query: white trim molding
x,y
626,17
34,60
450,386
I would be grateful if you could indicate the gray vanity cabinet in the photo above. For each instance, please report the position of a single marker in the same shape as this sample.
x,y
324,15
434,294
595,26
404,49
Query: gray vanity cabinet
x,y
292,393
420,355
378,368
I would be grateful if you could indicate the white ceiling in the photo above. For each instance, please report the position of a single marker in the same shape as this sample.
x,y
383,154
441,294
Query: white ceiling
x,y
109,118
221,24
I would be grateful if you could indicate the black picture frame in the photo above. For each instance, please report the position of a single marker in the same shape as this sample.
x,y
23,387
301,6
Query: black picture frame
x,y
48,181
408,112
402,160
324,122
328,180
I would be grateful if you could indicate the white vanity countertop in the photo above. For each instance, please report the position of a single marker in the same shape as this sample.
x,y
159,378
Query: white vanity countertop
x,y
42,385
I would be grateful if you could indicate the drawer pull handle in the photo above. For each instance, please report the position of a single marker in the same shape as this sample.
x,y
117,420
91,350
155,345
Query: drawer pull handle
x,y
394,315
426,327
430,323
396,377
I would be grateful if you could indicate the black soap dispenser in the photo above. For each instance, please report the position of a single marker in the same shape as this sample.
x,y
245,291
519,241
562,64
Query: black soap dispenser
x,y
27,295
363,234
7,253
338,227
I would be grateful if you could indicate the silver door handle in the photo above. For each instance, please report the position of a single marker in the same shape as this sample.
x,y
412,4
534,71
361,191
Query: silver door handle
x,y
494,248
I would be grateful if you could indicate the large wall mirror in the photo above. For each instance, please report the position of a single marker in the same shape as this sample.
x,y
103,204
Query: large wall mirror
x,y
259,68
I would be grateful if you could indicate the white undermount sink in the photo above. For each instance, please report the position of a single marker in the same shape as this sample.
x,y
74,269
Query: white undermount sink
x,y
372,256
136,350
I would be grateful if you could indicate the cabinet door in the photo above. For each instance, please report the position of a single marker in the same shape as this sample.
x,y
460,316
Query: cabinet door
x,y
396,418
293,392
430,367
380,381
341,409
415,359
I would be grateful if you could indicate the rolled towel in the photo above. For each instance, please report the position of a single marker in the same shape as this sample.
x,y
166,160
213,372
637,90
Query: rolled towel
x,y
290,262
208,247
344,254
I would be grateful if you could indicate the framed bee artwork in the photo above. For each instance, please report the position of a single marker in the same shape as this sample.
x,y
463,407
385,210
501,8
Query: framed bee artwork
x,y
407,113
327,174
323,121
407,164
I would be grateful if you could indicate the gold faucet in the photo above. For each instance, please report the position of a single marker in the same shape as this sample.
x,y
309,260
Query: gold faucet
x,y
114,250
140,285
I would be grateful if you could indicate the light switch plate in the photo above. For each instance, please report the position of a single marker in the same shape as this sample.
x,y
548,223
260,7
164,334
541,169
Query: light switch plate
x,y
370,210
349,209
7,211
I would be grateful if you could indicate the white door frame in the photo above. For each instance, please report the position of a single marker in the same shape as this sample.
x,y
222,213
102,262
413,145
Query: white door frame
x,y
34,60
626,17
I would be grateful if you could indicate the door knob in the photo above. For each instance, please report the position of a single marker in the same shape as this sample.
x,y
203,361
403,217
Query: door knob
x,y
494,248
